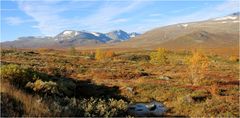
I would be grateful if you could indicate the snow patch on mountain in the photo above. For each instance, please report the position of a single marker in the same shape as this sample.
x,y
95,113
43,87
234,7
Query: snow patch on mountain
x,y
67,32
76,33
226,18
95,34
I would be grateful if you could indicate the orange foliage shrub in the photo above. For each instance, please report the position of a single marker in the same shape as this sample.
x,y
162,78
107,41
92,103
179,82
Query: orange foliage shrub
x,y
214,90
100,54
234,59
198,63
159,57
110,54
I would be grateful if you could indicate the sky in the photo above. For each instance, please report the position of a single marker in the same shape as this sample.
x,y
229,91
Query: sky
x,y
50,17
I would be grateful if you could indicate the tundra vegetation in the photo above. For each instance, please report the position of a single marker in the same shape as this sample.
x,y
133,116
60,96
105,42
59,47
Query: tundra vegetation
x,y
47,82
198,64
101,54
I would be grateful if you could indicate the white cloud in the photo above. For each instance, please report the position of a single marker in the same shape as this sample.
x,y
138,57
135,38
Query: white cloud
x,y
50,20
46,15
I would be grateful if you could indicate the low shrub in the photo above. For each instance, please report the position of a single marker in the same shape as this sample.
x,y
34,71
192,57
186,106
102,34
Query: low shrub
x,y
72,50
100,54
81,69
60,87
134,57
59,71
159,57
44,87
16,74
103,108
7,52
234,59
200,95
198,64
42,50
26,79
109,54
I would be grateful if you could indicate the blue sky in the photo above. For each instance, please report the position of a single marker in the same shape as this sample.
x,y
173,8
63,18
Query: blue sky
x,y
50,17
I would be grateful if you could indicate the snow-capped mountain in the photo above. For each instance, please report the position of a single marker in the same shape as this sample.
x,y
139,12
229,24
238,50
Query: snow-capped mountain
x,y
73,38
69,35
118,35
101,37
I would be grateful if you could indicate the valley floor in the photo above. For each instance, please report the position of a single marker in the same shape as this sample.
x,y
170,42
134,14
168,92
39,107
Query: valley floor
x,y
46,82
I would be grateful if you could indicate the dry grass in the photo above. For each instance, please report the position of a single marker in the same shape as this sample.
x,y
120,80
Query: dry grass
x,y
32,104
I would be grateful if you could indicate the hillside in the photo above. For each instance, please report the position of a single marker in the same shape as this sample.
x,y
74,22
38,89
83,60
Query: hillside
x,y
212,33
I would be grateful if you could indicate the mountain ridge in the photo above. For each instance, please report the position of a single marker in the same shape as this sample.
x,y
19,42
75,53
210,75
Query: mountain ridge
x,y
223,29
68,38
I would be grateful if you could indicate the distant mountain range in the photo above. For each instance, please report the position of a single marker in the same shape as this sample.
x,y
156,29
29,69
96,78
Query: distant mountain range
x,y
69,38
220,32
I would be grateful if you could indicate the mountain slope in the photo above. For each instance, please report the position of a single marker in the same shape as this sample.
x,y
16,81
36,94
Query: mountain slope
x,y
218,32
30,42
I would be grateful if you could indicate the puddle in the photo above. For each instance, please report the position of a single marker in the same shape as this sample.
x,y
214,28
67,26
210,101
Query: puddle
x,y
147,109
